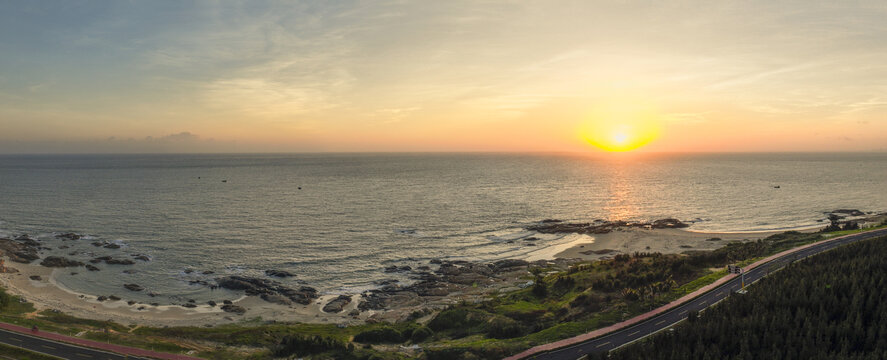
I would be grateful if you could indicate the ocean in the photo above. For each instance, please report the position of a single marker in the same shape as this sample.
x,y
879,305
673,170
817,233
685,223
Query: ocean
x,y
337,220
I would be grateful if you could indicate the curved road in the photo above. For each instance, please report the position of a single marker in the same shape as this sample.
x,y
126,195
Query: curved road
x,y
667,319
62,350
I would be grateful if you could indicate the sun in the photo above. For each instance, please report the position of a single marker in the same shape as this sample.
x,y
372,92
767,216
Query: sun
x,y
620,127
621,137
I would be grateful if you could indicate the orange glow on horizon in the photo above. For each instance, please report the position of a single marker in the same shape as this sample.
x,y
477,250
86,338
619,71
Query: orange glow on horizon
x,y
621,125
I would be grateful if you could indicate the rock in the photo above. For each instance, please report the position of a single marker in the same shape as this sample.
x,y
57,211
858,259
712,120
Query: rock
x,y
392,268
133,287
131,302
208,272
188,271
602,227
211,303
97,243
119,262
141,308
405,268
152,294
112,246
102,298
113,298
258,287
227,302
91,268
192,301
354,312
141,257
599,252
74,273
279,273
509,263
713,239
18,251
24,239
68,236
851,212
35,277
424,268
337,305
233,309
189,305
668,223
57,261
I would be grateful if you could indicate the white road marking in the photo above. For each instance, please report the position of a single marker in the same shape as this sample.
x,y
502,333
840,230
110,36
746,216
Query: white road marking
x,y
634,333
602,344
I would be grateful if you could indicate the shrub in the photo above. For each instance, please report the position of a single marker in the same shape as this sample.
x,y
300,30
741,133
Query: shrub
x,y
379,335
421,334
456,318
306,345
504,328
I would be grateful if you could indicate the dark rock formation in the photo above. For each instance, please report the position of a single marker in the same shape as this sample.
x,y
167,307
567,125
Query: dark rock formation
x,y
102,298
851,212
509,263
233,309
141,257
337,305
18,251
35,277
91,268
211,303
68,236
58,261
113,298
189,305
112,246
259,287
603,227
279,273
133,287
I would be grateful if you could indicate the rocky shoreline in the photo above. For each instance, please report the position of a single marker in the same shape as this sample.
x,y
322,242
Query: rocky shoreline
x,y
600,226
420,287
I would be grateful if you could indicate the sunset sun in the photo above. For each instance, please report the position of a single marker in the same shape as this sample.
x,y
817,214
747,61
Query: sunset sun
x,y
621,125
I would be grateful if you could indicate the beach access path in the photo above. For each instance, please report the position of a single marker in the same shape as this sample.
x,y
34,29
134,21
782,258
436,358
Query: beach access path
x,y
620,334
69,347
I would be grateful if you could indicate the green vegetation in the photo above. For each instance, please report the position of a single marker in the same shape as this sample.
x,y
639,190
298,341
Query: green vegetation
x,y
828,307
561,303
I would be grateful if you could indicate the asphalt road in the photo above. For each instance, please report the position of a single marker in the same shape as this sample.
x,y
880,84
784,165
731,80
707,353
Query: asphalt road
x,y
667,319
62,350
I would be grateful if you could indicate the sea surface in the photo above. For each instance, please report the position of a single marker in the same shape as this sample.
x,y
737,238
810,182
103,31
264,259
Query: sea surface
x,y
337,220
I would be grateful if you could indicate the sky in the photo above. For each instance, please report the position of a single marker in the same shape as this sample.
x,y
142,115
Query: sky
x,y
522,76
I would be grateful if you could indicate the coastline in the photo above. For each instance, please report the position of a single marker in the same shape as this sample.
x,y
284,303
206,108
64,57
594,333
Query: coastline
x,y
436,288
